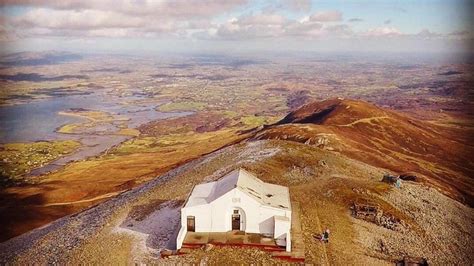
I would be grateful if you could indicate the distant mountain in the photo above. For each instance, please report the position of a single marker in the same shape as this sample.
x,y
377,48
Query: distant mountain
x,y
38,58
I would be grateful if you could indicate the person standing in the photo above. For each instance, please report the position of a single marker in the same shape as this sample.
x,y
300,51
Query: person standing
x,y
398,183
325,236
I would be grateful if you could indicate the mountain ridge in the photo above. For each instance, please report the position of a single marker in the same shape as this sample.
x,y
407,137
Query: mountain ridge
x,y
383,138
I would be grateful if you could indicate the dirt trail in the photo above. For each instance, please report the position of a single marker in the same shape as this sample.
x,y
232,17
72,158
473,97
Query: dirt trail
x,y
322,246
365,120
108,195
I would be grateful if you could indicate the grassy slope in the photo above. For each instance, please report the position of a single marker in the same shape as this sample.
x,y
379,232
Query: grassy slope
x,y
20,158
27,207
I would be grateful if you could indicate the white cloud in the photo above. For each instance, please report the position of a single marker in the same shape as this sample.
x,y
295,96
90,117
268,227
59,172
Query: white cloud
x,y
341,30
427,34
462,35
326,16
7,35
75,20
303,19
305,28
156,18
262,19
382,31
166,8
262,25
297,5
184,19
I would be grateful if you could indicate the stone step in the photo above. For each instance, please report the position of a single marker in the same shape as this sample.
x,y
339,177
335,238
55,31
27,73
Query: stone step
x,y
191,245
185,250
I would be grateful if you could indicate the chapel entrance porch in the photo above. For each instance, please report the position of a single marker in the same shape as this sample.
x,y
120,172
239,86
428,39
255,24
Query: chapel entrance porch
x,y
235,238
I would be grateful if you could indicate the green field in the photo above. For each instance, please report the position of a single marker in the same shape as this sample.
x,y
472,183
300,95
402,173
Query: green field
x,y
20,158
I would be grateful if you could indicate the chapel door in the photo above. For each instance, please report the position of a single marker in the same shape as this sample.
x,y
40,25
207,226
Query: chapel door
x,y
191,224
236,220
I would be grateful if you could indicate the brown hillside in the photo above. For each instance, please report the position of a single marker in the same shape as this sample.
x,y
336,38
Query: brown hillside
x,y
332,112
134,226
384,138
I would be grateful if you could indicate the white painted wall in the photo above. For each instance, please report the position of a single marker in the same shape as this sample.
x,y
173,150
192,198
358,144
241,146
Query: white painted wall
x,y
282,232
181,235
217,215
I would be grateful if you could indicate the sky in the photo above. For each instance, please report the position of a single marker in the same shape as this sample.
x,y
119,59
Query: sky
x,y
233,26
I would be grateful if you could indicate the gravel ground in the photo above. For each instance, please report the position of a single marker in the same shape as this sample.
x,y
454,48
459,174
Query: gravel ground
x,y
224,256
442,233
157,229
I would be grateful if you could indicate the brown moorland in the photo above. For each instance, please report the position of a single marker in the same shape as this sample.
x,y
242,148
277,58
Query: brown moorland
x,y
82,184
438,155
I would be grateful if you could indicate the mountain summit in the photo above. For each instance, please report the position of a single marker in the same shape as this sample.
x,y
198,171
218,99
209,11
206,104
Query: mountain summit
x,y
335,111
383,138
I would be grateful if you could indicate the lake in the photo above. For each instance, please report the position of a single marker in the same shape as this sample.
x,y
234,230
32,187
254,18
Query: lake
x,y
39,119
